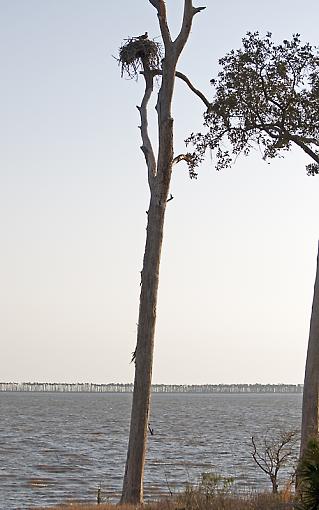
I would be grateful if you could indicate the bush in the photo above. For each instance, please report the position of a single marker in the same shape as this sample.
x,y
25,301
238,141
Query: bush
x,y
308,477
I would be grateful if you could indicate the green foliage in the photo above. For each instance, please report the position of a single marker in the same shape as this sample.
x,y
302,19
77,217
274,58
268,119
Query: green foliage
x,y
308,477
266,95
212,484
210,487
216,492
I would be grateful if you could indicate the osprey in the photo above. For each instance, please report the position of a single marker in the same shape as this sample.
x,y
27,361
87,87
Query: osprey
x,y
144,36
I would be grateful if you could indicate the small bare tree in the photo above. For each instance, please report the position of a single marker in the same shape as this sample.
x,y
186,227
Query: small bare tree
x,y
273,453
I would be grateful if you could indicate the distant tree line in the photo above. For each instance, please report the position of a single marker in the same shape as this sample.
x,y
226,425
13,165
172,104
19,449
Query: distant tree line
x,y
156,388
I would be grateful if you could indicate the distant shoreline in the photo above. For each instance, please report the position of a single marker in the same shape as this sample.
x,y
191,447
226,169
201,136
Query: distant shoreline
x,y
156,388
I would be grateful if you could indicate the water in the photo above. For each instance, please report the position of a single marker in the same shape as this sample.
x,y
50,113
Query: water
x,y
57,447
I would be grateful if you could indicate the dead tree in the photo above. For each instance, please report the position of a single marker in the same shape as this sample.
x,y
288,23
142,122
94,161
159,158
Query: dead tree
x,y
275,453
141,55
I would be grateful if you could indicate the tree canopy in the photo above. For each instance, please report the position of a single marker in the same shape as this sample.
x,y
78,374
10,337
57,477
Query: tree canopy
x,y
266,97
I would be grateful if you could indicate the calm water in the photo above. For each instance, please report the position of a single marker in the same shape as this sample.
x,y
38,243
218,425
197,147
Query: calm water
x,y
59,447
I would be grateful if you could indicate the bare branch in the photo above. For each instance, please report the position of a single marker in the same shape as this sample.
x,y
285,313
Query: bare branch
x,y
162,17
257,458
298,141
189,13
188,157
180,157
193,89
275,454
178,74
270,455
147,146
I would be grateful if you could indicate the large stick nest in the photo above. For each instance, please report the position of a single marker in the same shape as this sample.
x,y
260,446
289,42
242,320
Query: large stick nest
x,y
138,53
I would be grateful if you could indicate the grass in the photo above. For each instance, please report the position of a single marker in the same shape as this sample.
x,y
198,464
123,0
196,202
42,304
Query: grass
x,y
196,500
212,492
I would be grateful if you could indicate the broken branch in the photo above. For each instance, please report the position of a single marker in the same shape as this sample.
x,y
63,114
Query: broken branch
x,y
189,13
162,17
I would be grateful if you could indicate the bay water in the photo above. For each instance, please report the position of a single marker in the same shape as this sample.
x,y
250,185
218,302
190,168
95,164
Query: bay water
x,y
59,447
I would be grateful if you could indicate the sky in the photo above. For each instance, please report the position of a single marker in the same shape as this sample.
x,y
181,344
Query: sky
x,y
240,246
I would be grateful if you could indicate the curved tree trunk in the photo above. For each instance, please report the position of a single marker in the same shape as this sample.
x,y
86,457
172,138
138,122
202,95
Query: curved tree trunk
x,y
310,403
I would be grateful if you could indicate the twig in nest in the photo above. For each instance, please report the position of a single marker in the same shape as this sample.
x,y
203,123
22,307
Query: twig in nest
x,y
138,52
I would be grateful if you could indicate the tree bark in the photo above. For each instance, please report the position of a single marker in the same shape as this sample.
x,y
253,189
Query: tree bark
x,y
134,472
274,484
310,404
159,177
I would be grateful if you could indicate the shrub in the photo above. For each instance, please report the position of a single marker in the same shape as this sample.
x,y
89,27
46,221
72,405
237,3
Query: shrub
x,y
308,477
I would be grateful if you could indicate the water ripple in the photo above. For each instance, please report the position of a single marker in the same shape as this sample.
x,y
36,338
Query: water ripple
x,y
62,447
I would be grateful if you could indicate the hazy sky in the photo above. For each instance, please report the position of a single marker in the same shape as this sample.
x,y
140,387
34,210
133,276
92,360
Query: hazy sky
x,y
239,254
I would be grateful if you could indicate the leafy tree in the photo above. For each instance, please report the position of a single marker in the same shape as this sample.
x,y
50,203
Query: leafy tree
x,y
266,95
142,55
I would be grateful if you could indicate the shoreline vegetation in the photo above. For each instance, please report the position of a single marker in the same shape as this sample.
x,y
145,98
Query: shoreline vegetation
x,y
47,387
197,501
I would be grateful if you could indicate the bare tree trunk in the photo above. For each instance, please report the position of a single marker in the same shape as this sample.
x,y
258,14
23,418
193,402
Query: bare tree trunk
x,y
310,404
159,177
274,483
159,187
134,472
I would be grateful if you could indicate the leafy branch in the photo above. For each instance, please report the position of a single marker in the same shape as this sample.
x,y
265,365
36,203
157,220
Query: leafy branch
x,y
266,95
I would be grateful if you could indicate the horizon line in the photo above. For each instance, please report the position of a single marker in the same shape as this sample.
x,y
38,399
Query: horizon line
x,y
153,384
